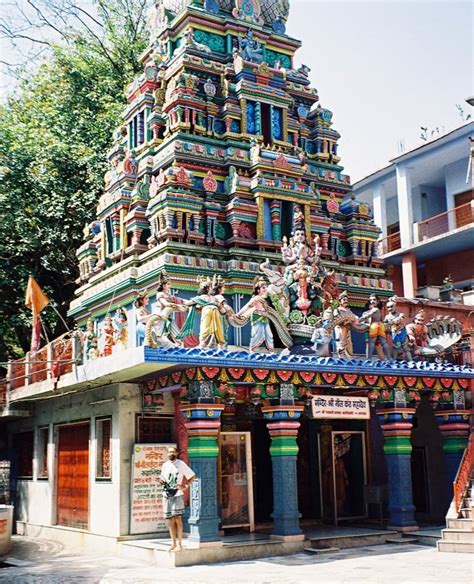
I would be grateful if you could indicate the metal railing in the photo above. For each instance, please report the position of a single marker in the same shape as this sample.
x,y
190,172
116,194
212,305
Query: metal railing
x,y
50,362
446,222
461,482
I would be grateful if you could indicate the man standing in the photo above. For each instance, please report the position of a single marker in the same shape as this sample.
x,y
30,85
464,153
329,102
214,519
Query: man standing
x,y
175,477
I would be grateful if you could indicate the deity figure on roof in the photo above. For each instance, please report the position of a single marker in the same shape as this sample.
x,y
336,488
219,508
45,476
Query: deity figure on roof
x,y
373,318
250,49
161,329
395,323
417,332
261,315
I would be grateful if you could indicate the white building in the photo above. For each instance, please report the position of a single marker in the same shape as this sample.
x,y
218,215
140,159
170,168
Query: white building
x,y
423,201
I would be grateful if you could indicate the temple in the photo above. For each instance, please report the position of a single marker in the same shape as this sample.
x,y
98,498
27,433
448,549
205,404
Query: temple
x,y
231,300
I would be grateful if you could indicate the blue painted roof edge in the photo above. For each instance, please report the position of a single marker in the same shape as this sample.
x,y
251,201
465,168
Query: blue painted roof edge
x,y
223,358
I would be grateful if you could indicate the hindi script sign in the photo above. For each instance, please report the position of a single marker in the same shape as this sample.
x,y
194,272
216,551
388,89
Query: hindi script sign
x,y
146,505
334,406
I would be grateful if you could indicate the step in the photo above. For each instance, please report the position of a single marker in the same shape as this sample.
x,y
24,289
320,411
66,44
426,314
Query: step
x,y
464,524
428,538
156,552
455,546
345,541
402,540
452,535
465,513
321,550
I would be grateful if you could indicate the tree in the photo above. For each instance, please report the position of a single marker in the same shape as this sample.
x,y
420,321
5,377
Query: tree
x,y
54,135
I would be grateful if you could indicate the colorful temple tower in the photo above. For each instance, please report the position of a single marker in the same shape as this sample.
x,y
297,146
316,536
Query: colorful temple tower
x,y
222,141
226,169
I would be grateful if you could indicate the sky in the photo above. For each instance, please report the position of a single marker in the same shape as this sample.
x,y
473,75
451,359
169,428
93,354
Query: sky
x,y
384,68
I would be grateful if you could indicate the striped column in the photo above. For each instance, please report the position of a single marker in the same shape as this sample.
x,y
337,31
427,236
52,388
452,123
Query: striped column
x,y
282,423
454,427
396,426
203,424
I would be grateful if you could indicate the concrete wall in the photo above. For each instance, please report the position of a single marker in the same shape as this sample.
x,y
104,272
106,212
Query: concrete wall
x,y
455,178
108,499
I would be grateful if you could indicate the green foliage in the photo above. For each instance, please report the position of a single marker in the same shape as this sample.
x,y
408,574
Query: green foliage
x,y
54,135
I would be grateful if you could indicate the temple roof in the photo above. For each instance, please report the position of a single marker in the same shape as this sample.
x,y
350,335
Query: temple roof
x,y
225,358
270,9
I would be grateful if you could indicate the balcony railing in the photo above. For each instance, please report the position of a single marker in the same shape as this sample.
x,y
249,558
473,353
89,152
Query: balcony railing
x,y
446,222
389,243
50,362
432,227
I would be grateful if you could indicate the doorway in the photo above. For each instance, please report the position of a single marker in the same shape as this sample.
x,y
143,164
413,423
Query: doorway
x,y
236,481
73,476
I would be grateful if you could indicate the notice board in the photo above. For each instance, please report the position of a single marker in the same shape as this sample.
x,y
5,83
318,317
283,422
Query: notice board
x,y
146,503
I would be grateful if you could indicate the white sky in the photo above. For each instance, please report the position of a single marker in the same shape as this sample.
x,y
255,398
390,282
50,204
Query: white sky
x,y
383,68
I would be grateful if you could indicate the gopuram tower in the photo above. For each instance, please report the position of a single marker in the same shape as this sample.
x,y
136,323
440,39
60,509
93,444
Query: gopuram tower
x,y
224,151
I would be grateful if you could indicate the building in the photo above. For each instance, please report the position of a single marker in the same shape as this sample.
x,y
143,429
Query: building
x,y
423,202
226,169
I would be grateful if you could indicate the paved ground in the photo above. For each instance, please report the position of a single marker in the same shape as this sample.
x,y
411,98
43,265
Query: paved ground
x,y
50,563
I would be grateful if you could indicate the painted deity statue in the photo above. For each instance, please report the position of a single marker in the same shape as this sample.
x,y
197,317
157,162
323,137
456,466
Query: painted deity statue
x,y
227,314
108,336
121,328
277,290
347,321
211,329
91,343
373,317
142,315
395,323
258,308
161,330
250,49
417,333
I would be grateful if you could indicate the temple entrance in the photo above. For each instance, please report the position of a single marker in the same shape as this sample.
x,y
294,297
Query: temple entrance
x,y
263,472
343,474
236,480
73,476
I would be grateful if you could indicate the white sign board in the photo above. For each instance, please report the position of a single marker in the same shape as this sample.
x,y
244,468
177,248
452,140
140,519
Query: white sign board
x,y
146,503
334,406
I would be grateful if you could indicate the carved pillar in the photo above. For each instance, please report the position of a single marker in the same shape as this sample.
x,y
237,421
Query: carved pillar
x,y
396,425
275,207
203,424
454,427
282,422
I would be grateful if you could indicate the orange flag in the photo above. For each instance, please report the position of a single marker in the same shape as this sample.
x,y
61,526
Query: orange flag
x,y
36,300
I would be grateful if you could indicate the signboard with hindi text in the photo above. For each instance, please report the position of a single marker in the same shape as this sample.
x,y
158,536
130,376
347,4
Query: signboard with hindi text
x,y
336,406
146,502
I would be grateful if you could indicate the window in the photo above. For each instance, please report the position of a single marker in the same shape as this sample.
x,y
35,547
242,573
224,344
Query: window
x,y
153,429
266,123
103,433
23,442
42,452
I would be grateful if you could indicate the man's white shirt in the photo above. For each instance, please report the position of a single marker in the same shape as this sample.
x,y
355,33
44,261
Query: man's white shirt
x,y
173,472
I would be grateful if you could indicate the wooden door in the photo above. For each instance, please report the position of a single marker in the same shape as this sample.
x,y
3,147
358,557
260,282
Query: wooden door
x,y
73,476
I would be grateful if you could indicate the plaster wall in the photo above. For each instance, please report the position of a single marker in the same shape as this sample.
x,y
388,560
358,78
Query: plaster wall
x,y
108,499
392,211
455,179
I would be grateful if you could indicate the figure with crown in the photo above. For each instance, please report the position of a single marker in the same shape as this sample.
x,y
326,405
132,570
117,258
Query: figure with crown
x,y
211,329
261,314
395,323
373,318
161,330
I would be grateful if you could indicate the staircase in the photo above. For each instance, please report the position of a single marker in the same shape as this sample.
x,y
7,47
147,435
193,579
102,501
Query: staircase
x,y
459,533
